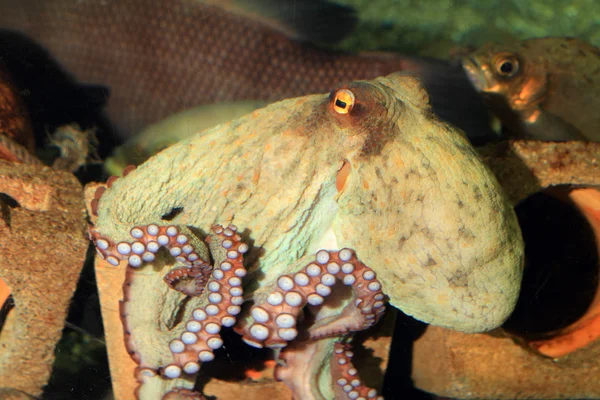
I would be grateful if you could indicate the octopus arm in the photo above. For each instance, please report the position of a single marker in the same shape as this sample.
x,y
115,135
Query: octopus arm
x,y
273,318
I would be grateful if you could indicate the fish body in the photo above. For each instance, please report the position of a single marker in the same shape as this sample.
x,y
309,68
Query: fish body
x,y
160,57
546,88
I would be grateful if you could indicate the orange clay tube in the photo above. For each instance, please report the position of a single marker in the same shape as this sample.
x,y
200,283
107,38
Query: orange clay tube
x,y
587,329
4,292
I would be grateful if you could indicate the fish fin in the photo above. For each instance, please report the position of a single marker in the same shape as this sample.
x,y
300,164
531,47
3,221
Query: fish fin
x,y
317,21
532,123
551,127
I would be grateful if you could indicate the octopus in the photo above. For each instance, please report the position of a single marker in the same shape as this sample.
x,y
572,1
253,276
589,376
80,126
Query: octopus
x,y
296,225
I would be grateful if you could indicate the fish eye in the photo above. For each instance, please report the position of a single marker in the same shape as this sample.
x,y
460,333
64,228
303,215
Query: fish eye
x,y
507,65
343,101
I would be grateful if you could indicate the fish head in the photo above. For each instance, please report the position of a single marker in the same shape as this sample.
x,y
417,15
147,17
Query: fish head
x,y
509,74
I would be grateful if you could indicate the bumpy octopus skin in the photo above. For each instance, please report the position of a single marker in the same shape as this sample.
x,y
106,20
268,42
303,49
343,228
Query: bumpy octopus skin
x,y
364,186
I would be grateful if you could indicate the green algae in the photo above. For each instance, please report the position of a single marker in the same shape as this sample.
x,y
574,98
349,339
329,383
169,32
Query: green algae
x,y
436,28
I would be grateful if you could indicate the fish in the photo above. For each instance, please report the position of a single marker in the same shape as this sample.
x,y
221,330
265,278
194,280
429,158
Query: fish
x,y
315,21
543,88
160,57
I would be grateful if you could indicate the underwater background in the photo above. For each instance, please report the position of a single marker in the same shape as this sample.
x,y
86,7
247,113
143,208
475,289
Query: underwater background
x,y
439,29
435,28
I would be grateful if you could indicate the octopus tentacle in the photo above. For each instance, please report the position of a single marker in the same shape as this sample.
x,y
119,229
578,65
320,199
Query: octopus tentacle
x,y
202,334
181,242
153,386
303,365
274,321
183,245
183,394
346,380
96,200
188,280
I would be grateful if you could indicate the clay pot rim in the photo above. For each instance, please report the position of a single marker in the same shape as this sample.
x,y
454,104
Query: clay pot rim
x,y
586,329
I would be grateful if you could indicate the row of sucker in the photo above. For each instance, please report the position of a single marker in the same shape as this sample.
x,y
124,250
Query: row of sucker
x,y
147,241
274,321
224,282
202,335
346,376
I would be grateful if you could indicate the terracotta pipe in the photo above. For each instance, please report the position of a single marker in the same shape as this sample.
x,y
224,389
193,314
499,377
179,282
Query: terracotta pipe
x,y
587,328
4,294
528,167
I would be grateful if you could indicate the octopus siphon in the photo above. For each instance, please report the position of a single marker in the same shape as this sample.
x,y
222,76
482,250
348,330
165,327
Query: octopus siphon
x,y
362,195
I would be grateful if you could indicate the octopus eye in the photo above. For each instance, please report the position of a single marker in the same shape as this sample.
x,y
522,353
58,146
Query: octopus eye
x,y
507,65
343,101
